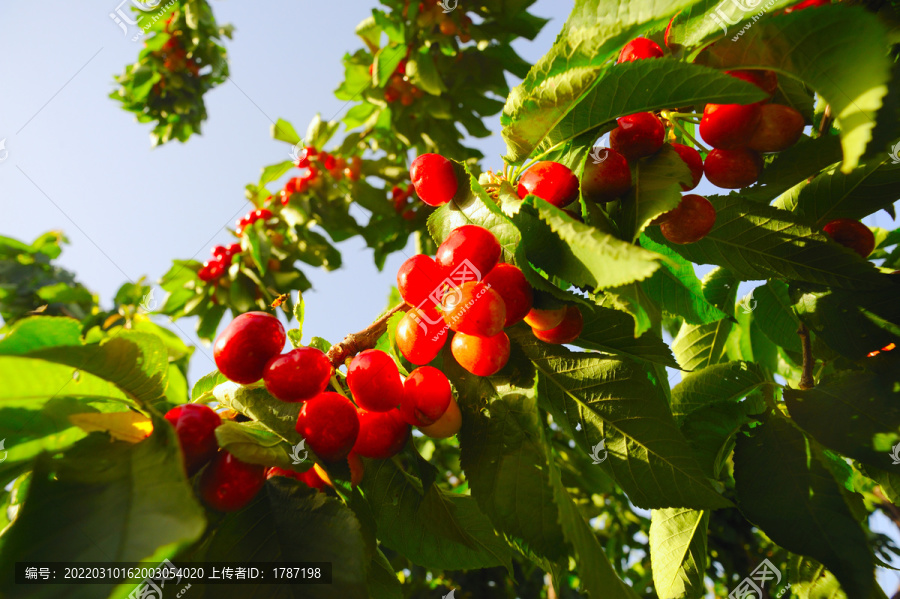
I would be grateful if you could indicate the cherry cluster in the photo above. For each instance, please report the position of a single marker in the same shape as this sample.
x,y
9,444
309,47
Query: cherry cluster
x,y
213,270
432,15
399,87
314,163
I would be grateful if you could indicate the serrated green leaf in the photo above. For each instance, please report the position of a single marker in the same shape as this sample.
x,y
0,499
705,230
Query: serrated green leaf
x,y
678,552
612,331
274,172
698,346
792,167
255,402
284,131
719,383
253,443
656,190
39,332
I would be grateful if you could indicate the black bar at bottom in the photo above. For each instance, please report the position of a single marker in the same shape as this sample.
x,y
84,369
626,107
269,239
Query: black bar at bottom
x,y
173,573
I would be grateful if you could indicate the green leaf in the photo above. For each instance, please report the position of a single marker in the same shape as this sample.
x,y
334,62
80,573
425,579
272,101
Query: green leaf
x,y
806,514
251,442
255,402
719,383
39,332
386,61
774,315
274,172
284,131
612,331
656,190
678,552
319,132
711,430
423,73
866,406
204,386
698,346
676,288
837,50
29,383
755,241
792,167
624,404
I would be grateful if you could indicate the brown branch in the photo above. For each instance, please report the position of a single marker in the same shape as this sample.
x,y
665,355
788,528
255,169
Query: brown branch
x,y
806,377
887,507
825,123
354,343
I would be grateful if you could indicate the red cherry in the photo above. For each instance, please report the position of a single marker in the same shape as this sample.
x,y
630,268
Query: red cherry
x,y
447,425
426,395
567,331
418,278
468,242
381,434
195,425
544,320
434,179
638,49
474,308
246,344
513,287
329,424
637,136
205,273
229,484
761,78
421,334
806,4
729,126
482,356
298,375
328,161
692,159
262,213
779,128
732,169
307,153
549,181
852,234
219,252
690,221
608,179
310,477
375,381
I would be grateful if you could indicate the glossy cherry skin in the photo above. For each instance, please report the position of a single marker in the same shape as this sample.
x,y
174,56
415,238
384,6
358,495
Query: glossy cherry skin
x,y
513,287
421,334
447,425
544,320
195,424
229,484
638,135
607,180
482,356
549,181
247,344
329,424
381,434
418,278
852,234
468,242
474,308
434,179
567,331
692,159
298,375
309,477
375,381
729,126
763,79
690,221
806,4
426,395
638,49
779,128
732,169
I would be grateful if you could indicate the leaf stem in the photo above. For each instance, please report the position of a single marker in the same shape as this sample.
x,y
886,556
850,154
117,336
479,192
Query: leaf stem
x,y
666,114
806,377
354,343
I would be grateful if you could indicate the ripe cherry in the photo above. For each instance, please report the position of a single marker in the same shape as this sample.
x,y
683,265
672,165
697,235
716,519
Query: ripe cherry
x,y
381,434
638,49
329,424
474,308
298,375
806,4
246,345
195,425
732,169
763,79
447,425
229,484
375,381
852,234
421,334
418,278
779,128
567,331
729,126
508,281
549,181
690,221
608,179
310,477
544,320
637,136
434,179
692,159
426,395
482,356
469,242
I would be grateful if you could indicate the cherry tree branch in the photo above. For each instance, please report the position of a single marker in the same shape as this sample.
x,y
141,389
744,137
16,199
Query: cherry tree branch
x,y
806,377
354,343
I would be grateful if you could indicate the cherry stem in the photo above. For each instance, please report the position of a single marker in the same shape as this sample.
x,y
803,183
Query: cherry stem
x,y
806,377
354,343
337,385
684,132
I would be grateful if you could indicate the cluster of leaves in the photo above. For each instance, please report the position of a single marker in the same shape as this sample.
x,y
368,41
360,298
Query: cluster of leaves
x,y
181,60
